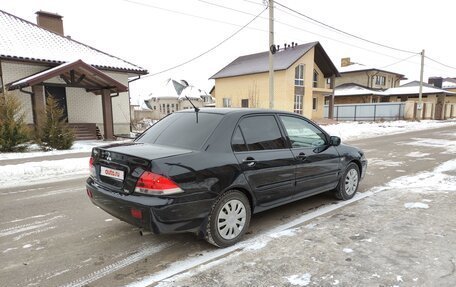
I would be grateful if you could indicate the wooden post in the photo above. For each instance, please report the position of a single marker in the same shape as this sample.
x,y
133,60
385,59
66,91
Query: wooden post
x,y
38,104
107,115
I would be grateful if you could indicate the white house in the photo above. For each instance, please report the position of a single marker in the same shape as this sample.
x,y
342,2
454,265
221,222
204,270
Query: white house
x,y
37,60
176,95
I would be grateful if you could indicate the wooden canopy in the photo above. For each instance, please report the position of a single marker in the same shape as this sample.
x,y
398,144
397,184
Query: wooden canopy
x,y
77,74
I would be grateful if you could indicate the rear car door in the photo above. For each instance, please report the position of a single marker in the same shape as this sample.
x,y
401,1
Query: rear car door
x,y
317,162
265,160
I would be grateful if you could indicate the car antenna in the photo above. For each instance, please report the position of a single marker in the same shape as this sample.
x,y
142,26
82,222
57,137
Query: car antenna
x,y
194,107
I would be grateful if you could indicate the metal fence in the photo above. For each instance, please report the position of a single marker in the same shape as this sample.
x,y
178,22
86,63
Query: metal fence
x,y
367,112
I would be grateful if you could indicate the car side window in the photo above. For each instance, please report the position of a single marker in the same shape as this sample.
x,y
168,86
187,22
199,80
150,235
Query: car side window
x,y
238,142
262,133
302,133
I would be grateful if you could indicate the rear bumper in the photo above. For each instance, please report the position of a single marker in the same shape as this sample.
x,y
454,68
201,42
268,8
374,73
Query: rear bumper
x,y
158,214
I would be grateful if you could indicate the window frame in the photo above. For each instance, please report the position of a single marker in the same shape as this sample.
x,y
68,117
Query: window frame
x,y
299,81
380,80
314,101
295,108
315,79
279,126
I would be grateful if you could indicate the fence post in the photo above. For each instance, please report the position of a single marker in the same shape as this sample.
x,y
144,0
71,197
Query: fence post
x,y
400,106
375,111
355,113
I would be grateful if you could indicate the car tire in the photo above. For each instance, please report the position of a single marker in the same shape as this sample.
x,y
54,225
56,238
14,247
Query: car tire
x,y
229,219
348,183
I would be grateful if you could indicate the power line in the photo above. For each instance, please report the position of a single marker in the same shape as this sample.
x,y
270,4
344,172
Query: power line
x,y
400,61
209,50
343,32
188,14
299,28
440,63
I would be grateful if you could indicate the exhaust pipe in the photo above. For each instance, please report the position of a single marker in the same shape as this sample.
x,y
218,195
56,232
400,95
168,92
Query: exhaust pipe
x,y
143,232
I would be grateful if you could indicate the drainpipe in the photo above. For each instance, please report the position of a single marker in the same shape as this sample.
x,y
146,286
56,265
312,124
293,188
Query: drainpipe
x,y
129,98
1,80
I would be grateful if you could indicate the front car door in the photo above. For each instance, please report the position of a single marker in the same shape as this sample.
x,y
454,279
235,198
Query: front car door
x,y
265,160
317,162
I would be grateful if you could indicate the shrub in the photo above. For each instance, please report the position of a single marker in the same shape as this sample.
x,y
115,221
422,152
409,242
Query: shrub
x,y
14,133
54,132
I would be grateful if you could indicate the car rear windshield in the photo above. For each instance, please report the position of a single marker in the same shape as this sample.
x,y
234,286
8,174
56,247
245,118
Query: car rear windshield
x,y
181,130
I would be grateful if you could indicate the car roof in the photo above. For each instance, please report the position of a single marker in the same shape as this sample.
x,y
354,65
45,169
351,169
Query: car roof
x,y
239,111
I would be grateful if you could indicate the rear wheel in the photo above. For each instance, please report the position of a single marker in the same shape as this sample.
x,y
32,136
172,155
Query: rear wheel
x,y
348,184
229,219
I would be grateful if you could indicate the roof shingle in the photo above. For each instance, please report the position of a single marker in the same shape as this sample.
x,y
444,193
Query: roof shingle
x,y
23,40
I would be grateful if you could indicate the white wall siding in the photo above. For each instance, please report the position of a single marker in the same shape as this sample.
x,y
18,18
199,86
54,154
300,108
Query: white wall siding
x,y
16,71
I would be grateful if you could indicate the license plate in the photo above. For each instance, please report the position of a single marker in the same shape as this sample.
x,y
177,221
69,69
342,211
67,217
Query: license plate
x,y
112,173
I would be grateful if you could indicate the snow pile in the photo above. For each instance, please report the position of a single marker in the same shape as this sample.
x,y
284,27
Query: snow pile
x,y
359,130
20,174
299,280
78,146
441,179
410,205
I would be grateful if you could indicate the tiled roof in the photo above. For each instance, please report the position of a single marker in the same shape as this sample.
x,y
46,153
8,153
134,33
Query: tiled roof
x,y
356,67
23,40
283,59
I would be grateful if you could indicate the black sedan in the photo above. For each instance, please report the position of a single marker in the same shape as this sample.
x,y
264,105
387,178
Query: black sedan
x,y
207,172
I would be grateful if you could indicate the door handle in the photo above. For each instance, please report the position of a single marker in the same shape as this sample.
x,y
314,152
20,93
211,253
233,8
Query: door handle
x,y
302,156
249,161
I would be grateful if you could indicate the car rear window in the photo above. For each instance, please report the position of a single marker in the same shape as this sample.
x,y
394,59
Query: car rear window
x,y
181,130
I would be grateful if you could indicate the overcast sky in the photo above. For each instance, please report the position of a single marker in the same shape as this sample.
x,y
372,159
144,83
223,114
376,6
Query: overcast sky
x,y
162,34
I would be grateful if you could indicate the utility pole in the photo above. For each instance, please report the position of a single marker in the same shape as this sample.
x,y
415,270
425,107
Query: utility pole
x,y
420,102
272,50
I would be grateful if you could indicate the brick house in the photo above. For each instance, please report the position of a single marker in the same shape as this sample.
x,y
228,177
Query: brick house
x,y
91,86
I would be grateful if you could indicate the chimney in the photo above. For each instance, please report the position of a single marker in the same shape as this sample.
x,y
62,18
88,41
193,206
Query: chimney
x,y
344,62
436,81
50,21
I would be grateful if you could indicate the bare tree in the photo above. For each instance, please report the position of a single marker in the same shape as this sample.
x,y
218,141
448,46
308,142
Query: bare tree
x,y
254,96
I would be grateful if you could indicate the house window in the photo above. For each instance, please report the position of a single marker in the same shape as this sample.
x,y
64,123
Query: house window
x,y
167,109
299,75
227,102
315,79
380,80
314,104
245,103
298,104
155,108
328,81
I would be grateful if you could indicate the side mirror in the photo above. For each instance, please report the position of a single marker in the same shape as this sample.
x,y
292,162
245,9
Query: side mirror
x,y
334,141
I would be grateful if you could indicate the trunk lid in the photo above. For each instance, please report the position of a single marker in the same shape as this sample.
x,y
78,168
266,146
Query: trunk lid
x,y
118,166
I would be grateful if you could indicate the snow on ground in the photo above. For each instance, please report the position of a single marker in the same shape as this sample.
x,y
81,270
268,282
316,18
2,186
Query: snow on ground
x,y
26,173
359,130
78,146
299,280
410,205
449,145
417,154
441,179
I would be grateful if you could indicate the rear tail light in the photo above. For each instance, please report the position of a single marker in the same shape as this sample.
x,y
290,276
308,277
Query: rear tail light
x,y
91,167
89,193
151,183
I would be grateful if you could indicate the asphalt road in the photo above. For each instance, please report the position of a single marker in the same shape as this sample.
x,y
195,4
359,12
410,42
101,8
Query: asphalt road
x,y
51,234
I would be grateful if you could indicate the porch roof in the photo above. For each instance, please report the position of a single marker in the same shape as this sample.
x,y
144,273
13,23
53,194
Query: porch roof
x,y
76,74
